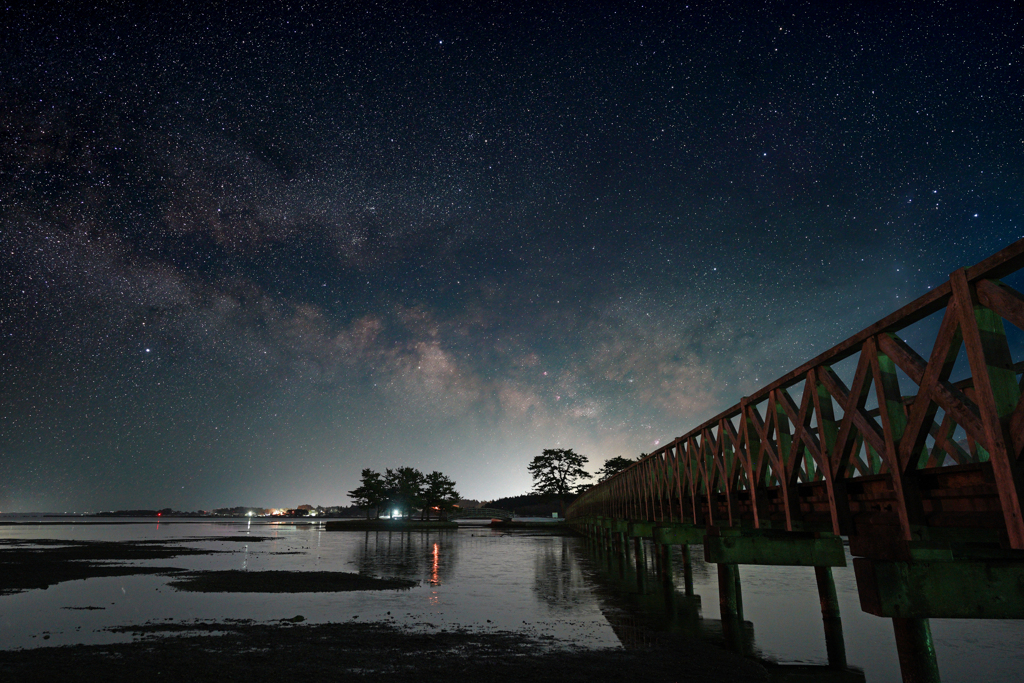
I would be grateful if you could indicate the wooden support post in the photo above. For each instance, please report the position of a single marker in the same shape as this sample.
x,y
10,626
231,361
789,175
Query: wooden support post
x,y
730,597
687,571
916,650
730,600
664,551
641,564
622,557
835,645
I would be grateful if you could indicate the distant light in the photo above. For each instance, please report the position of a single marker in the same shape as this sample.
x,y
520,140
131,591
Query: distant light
x,y
147,350
975,215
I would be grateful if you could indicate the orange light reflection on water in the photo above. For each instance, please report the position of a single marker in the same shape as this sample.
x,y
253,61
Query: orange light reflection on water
x,y
435,579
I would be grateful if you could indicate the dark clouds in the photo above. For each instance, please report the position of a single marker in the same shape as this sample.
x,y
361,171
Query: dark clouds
x,y
246,254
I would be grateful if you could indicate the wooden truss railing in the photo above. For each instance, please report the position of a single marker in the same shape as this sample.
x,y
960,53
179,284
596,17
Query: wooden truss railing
x,y
809,451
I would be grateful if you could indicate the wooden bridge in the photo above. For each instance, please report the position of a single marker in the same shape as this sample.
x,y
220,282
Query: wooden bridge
x,y
480,513
917,461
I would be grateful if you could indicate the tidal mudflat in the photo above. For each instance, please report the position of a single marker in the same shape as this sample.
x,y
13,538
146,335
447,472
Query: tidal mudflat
x,y
90,592
237,581
242,600
216,652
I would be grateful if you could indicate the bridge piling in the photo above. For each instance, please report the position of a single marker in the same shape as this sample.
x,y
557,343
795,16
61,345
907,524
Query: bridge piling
x,y
641,563
835,644
730,595
665,559
730,601
916,650
687,571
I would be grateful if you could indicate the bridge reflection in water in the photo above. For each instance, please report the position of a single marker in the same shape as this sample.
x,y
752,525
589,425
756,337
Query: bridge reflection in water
x,y
644,598
576,588
916,458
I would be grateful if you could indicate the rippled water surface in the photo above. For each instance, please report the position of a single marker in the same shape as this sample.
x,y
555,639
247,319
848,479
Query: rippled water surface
x,y
481,579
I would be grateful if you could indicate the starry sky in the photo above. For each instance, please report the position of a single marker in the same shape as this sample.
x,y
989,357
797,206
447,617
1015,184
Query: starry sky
x,y
245,253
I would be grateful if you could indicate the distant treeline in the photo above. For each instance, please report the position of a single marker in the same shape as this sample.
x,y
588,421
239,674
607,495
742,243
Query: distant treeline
x,y
240,511
533,504
167,512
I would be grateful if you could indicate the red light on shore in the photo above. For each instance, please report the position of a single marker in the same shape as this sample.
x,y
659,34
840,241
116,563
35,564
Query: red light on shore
x,y
159,513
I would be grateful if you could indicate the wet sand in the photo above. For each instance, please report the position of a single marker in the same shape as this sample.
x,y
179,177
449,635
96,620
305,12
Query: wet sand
x,y
245,651
26,565
234,581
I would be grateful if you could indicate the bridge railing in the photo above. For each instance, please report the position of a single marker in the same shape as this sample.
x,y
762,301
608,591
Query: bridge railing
x,y
897,448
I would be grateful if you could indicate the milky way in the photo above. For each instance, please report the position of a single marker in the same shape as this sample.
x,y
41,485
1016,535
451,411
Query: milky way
x,y
247,253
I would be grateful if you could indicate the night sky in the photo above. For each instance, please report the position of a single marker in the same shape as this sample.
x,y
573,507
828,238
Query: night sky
x,y
246,253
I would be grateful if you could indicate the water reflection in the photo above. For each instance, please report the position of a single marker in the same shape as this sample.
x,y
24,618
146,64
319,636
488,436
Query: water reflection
x,y
435,574
641,596
416,555
639,607
558,579
467,579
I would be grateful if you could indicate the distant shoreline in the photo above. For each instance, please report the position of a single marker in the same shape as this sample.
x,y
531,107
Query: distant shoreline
x,y
386,525
330,523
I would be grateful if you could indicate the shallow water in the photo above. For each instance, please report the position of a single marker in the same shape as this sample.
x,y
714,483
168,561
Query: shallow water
x,y
783,619
471,578
484,580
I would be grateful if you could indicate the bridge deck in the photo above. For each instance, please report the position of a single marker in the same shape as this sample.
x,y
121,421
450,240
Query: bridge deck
x,y
872,441
814,448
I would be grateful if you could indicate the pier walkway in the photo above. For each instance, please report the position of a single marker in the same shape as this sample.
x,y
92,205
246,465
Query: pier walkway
x,y
913,458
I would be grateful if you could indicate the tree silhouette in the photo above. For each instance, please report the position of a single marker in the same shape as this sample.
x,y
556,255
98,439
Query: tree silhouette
x,y
404,487
438,492
557,470
613,466
371,494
